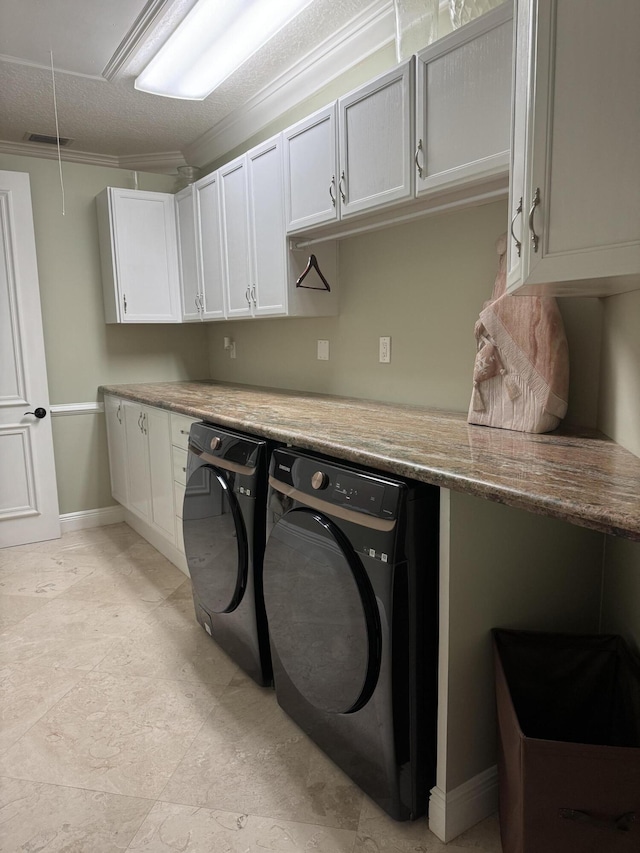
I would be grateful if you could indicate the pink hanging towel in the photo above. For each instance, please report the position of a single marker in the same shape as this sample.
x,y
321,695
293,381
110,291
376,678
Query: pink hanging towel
x,y
521,371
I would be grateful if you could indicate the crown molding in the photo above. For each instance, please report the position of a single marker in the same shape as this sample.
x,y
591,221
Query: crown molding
x,y
163,162
136,36
17,61
50,152
369,32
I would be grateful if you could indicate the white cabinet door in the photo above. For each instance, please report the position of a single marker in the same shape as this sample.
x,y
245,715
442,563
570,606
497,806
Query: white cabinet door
x,y
188,254
375,142
235,245
139,254
311,170
117,443
157,430
210,246
580,150
138,473
267,232
463,104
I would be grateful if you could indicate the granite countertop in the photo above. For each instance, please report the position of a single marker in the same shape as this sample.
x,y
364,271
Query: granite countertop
x,y
580,476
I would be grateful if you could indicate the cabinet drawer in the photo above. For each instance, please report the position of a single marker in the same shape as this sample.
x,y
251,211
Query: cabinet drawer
x,y
178,497
180,426
180,465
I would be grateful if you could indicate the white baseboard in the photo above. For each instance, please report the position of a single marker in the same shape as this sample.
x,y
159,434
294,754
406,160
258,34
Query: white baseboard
x,y
91,518
458,810
153,537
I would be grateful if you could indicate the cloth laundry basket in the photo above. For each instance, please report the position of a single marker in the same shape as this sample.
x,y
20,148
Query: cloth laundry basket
x,y
569,743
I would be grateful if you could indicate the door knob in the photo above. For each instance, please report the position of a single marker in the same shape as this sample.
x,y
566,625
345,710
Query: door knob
x,y
39,412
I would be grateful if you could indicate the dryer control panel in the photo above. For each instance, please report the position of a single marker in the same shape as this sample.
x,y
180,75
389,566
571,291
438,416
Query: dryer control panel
x,y
336,485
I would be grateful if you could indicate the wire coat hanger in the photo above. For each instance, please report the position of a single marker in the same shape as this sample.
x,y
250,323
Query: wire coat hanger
x,y
312,263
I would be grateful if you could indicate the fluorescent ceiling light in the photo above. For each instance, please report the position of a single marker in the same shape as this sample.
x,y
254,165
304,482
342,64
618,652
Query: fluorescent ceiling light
x,y
214,39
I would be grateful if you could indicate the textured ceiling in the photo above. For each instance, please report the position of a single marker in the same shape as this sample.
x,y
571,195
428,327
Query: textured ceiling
x,y
111,117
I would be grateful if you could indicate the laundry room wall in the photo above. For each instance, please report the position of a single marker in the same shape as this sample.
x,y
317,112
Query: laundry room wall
x,y
83,352
423,283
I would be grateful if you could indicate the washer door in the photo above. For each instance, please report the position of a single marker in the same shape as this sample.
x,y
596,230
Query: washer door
x,y
322,613
215,540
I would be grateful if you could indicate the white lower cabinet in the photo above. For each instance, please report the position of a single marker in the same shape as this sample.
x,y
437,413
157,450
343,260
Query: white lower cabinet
x,y
117,440
140,462
180,426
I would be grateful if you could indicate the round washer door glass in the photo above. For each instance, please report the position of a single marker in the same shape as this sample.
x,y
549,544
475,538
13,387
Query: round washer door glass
x,y
215,541
322,615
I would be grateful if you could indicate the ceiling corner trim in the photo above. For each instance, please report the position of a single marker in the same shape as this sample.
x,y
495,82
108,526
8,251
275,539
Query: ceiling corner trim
x,y
164,162
371,31
139,31
50,152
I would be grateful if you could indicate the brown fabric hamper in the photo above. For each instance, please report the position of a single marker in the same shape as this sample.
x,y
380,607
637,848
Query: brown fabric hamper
x,y
569,743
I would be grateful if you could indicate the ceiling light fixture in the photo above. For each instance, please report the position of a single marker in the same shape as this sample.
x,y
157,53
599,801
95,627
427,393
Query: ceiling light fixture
x,y
212,42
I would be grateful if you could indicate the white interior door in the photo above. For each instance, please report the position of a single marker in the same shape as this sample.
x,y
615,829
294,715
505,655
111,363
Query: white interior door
x,y
28,494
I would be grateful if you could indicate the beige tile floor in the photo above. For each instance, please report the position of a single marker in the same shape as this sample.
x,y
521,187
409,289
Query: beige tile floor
x,y
124,727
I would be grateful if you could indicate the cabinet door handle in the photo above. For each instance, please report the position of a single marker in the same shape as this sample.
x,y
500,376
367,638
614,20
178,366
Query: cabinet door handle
x,y
118,415
124,300
197,301
415,158
332,194
515,216
253,294
535,239
140,421
247,295
343,180
144,424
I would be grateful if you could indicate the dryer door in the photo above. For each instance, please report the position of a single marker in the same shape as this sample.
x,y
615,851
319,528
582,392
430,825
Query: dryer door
x,y
323,618
215,540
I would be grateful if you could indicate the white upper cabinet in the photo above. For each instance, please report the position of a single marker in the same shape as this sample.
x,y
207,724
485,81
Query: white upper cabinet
x,y
463,105
311,170
268,292
209,242
188,254
353,156
234,206
375,130
139,255
575,174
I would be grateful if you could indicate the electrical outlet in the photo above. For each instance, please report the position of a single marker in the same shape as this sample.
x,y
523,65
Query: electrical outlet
x,y
232,350
385,350
323,350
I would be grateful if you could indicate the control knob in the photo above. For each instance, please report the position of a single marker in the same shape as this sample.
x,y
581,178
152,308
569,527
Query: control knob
x,y
320,480
215,442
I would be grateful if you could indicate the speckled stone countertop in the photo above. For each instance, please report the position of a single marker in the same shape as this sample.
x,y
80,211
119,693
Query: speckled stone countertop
x,y
579,476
